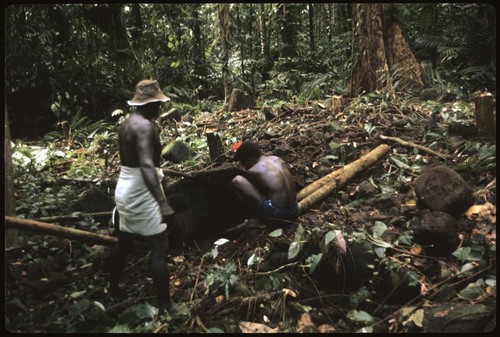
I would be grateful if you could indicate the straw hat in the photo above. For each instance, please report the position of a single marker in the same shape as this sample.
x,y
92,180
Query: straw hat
x,y
147,91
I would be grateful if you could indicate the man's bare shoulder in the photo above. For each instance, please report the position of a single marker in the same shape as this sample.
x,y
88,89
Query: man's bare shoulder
x,y
138,123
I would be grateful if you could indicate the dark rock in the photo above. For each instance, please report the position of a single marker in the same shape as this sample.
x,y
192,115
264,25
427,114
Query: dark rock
x,y
436,232
366,189
440,188
460,318
172,114
176,151
213,205
94,200
240,100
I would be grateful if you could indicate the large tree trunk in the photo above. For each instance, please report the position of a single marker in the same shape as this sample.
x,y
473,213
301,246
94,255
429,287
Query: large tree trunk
x,y
287,21
384,56
223,18
9,196
264,41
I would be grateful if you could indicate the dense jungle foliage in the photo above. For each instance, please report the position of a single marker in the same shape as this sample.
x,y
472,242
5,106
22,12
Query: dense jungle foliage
x,y
69,70
68,62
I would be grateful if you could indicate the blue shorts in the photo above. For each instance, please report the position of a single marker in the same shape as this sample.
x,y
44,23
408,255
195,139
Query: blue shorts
x,y
267,211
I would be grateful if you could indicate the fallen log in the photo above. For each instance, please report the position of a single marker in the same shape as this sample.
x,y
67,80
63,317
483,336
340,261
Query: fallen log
x,y
56,230
341,178
364,162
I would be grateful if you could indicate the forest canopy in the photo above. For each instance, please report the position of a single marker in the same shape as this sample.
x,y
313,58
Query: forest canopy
x,y
65,61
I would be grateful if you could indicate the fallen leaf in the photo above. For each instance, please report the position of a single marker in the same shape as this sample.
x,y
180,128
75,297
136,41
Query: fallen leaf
x,y
250,327
304,321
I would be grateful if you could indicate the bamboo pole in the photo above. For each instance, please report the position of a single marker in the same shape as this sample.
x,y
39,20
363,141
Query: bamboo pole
x,y
56,230
325,187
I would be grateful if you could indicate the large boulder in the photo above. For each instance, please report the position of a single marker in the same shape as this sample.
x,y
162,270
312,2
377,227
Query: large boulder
x,y
440,188
436,232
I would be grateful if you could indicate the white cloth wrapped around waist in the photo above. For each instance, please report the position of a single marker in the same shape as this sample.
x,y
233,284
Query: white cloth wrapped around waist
x,y
139,210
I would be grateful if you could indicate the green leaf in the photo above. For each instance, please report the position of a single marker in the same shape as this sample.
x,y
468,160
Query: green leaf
x,y
294,250
379,229
400,164
472,290
329,236
417,317
360,316
78,294
276,233
313,261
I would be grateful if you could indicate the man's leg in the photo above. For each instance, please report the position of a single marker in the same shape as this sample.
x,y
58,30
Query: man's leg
x,y
247,190
117,261
159,269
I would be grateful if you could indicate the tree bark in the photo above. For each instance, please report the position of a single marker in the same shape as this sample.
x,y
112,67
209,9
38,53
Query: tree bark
x,y
384,56
56,230
223,18
215,146
484,115
321,188
9,195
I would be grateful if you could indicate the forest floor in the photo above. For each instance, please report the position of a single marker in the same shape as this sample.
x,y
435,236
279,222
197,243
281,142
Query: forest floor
x,y
279,280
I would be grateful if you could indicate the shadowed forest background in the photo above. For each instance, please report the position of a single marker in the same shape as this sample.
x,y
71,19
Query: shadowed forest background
x,y
65,62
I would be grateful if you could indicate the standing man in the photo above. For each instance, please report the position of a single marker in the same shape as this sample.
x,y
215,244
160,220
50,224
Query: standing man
x,y
140,200
268,187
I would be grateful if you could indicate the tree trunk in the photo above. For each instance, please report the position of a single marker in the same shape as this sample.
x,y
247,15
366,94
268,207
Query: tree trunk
x,y
312,43
264,42
484,115
287,20
215,146
224,28
9,196
384,56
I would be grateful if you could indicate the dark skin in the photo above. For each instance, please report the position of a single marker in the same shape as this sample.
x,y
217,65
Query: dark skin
x,y
266,177
140,146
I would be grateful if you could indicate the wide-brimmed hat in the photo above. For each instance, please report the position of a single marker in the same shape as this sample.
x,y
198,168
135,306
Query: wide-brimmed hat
x,y
147,91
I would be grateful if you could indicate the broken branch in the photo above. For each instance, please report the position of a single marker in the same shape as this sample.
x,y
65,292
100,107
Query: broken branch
x,y
417,146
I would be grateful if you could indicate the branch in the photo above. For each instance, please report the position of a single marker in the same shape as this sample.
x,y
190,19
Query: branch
x,y
417,146
56,230
75,216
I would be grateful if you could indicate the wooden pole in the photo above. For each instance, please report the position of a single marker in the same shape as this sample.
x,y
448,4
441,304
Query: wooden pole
x,y
56,230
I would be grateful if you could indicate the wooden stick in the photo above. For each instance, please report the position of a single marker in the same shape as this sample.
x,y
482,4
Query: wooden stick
x,y
417,146
56,230
75,216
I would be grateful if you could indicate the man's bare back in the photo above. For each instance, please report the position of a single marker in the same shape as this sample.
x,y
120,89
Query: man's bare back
x,y
267,187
